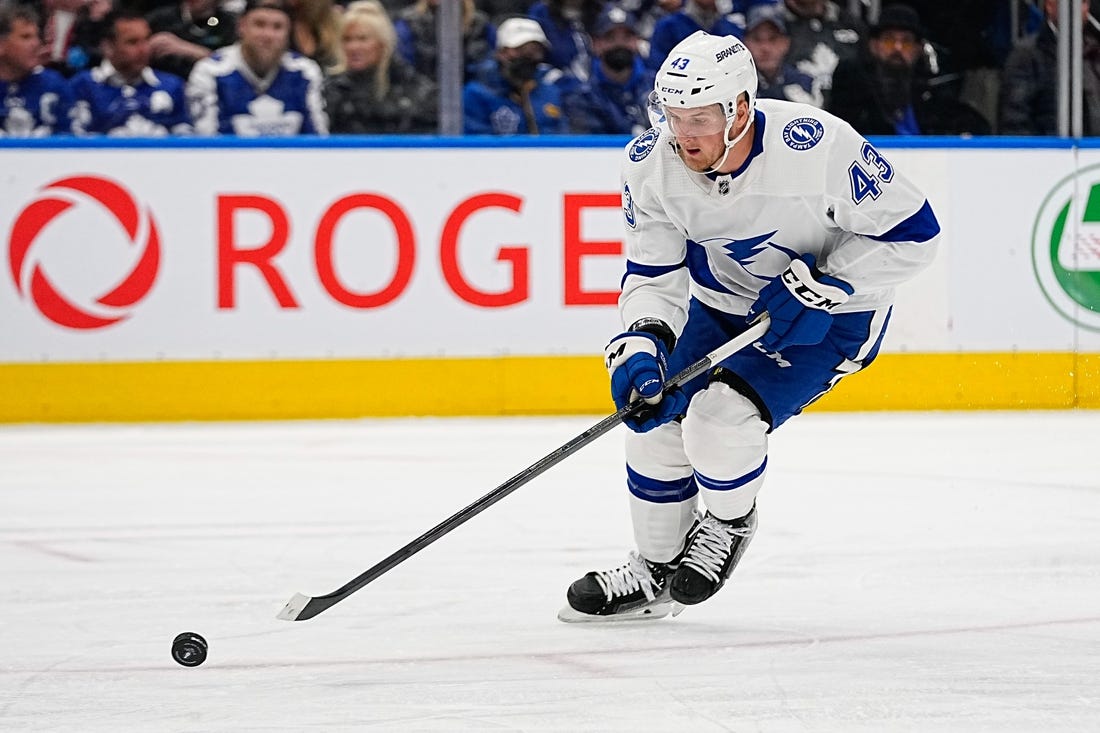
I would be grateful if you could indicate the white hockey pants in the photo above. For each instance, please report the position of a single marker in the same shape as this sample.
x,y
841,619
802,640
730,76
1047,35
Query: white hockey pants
x,y
720,447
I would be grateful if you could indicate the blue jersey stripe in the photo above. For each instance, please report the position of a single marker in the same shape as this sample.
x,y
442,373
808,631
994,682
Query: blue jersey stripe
x,y
648,271
920,227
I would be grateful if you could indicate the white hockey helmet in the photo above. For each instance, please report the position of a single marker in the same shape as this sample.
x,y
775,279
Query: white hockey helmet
x,y
703,70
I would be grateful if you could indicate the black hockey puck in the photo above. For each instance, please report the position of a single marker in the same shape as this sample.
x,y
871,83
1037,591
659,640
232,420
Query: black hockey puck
x,y
189,649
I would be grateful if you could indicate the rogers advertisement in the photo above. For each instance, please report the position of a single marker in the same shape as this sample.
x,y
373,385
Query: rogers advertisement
x,y
162,254
116,255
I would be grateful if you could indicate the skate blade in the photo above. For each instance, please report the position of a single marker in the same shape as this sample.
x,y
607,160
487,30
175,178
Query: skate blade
x,y
652,612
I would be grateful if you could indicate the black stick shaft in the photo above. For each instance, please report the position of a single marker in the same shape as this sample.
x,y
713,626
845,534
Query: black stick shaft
x,y
314,606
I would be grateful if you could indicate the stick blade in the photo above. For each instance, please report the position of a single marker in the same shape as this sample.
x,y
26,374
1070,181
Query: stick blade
x,y
293,610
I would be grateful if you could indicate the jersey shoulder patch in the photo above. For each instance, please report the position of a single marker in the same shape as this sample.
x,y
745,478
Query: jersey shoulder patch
x,y
803,133
643,145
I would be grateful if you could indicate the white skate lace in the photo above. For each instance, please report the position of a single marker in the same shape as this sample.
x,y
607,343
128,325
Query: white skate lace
x,y
712,544
629,578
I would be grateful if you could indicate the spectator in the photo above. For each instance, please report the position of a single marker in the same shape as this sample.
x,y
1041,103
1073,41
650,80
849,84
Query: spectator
x,y
566,24
615,99
36,100
696,15
516,93
187,31
257,87
377,92
822,35
416,37
887,93
74,31
124,97
648,12
1029,88
315,31
767,40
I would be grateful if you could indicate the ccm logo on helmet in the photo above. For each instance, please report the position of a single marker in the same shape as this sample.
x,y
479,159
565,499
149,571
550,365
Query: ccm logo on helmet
x,y
670,90
725,53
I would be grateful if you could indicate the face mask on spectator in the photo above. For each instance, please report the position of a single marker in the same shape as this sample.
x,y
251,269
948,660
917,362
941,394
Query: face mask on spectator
x,y
521,68
618,58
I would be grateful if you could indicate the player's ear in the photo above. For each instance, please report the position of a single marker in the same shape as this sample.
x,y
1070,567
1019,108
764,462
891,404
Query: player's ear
x,y
743,106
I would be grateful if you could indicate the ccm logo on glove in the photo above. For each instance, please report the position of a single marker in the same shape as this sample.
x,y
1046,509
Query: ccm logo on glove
x,y
798,279
799,302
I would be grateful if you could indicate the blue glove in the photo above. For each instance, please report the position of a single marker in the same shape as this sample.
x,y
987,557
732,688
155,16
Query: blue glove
x,y
638,364
799,302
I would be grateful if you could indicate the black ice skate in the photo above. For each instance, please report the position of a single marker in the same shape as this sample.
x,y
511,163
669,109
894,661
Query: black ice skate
x,y
711,555
637,590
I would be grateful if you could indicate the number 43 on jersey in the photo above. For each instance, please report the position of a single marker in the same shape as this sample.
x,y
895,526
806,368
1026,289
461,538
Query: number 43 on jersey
x,y
868,182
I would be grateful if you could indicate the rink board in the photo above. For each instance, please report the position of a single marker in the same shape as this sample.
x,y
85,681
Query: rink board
x,y
238,281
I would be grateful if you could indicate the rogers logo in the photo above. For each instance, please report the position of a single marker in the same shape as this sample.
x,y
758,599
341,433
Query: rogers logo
x,y
55,200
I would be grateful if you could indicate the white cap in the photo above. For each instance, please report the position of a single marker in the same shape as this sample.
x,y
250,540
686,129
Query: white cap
x,y
515,32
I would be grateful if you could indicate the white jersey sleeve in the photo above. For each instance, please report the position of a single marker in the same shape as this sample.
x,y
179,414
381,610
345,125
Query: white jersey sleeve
x,y
894,230
656,281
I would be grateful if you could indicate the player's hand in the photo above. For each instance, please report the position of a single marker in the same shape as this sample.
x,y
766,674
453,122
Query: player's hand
x,y
799,302
638,364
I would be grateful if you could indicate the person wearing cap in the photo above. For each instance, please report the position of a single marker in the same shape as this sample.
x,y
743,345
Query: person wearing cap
x,y
822,33
886,92
767,40
615,99
257,87
516,93
122,96
695,15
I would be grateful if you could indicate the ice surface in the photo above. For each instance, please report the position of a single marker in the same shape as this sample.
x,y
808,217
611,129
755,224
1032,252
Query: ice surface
x,y
924,572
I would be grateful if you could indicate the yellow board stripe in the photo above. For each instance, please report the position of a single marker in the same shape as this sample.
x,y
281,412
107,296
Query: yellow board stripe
x,y
276,390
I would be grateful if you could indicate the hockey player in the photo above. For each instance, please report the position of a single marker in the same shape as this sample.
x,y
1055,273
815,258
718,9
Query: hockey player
x,y
35,101
256,87
735,208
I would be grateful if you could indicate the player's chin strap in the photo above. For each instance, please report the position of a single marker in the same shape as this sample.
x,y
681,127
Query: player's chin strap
x,y
714,168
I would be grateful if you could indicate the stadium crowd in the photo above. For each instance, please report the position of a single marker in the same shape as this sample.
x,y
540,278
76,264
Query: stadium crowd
x,y
290,67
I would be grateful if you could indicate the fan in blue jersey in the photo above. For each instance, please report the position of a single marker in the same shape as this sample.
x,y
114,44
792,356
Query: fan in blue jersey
x,y
256,87
735,207
123,96
516,93
615,98
35,101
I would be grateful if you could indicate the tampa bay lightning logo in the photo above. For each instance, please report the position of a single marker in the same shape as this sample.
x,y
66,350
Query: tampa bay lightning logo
x,y
628,208
643,144
752,253
803,133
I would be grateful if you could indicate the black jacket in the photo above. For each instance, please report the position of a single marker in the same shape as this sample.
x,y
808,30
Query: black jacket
x,y
859,97
410,106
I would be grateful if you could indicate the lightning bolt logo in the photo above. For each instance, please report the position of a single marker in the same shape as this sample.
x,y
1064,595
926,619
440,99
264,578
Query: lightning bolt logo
x,y
742,251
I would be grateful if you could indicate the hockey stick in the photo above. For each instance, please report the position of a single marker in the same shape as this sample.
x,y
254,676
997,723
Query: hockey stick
x,y
302,607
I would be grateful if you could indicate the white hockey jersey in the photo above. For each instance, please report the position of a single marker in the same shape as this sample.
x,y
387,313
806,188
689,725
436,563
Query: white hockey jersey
x,y
811,184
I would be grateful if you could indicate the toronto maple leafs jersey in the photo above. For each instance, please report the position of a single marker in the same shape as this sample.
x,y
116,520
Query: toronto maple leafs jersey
x,y
106,104
811,184
227,97
35,106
